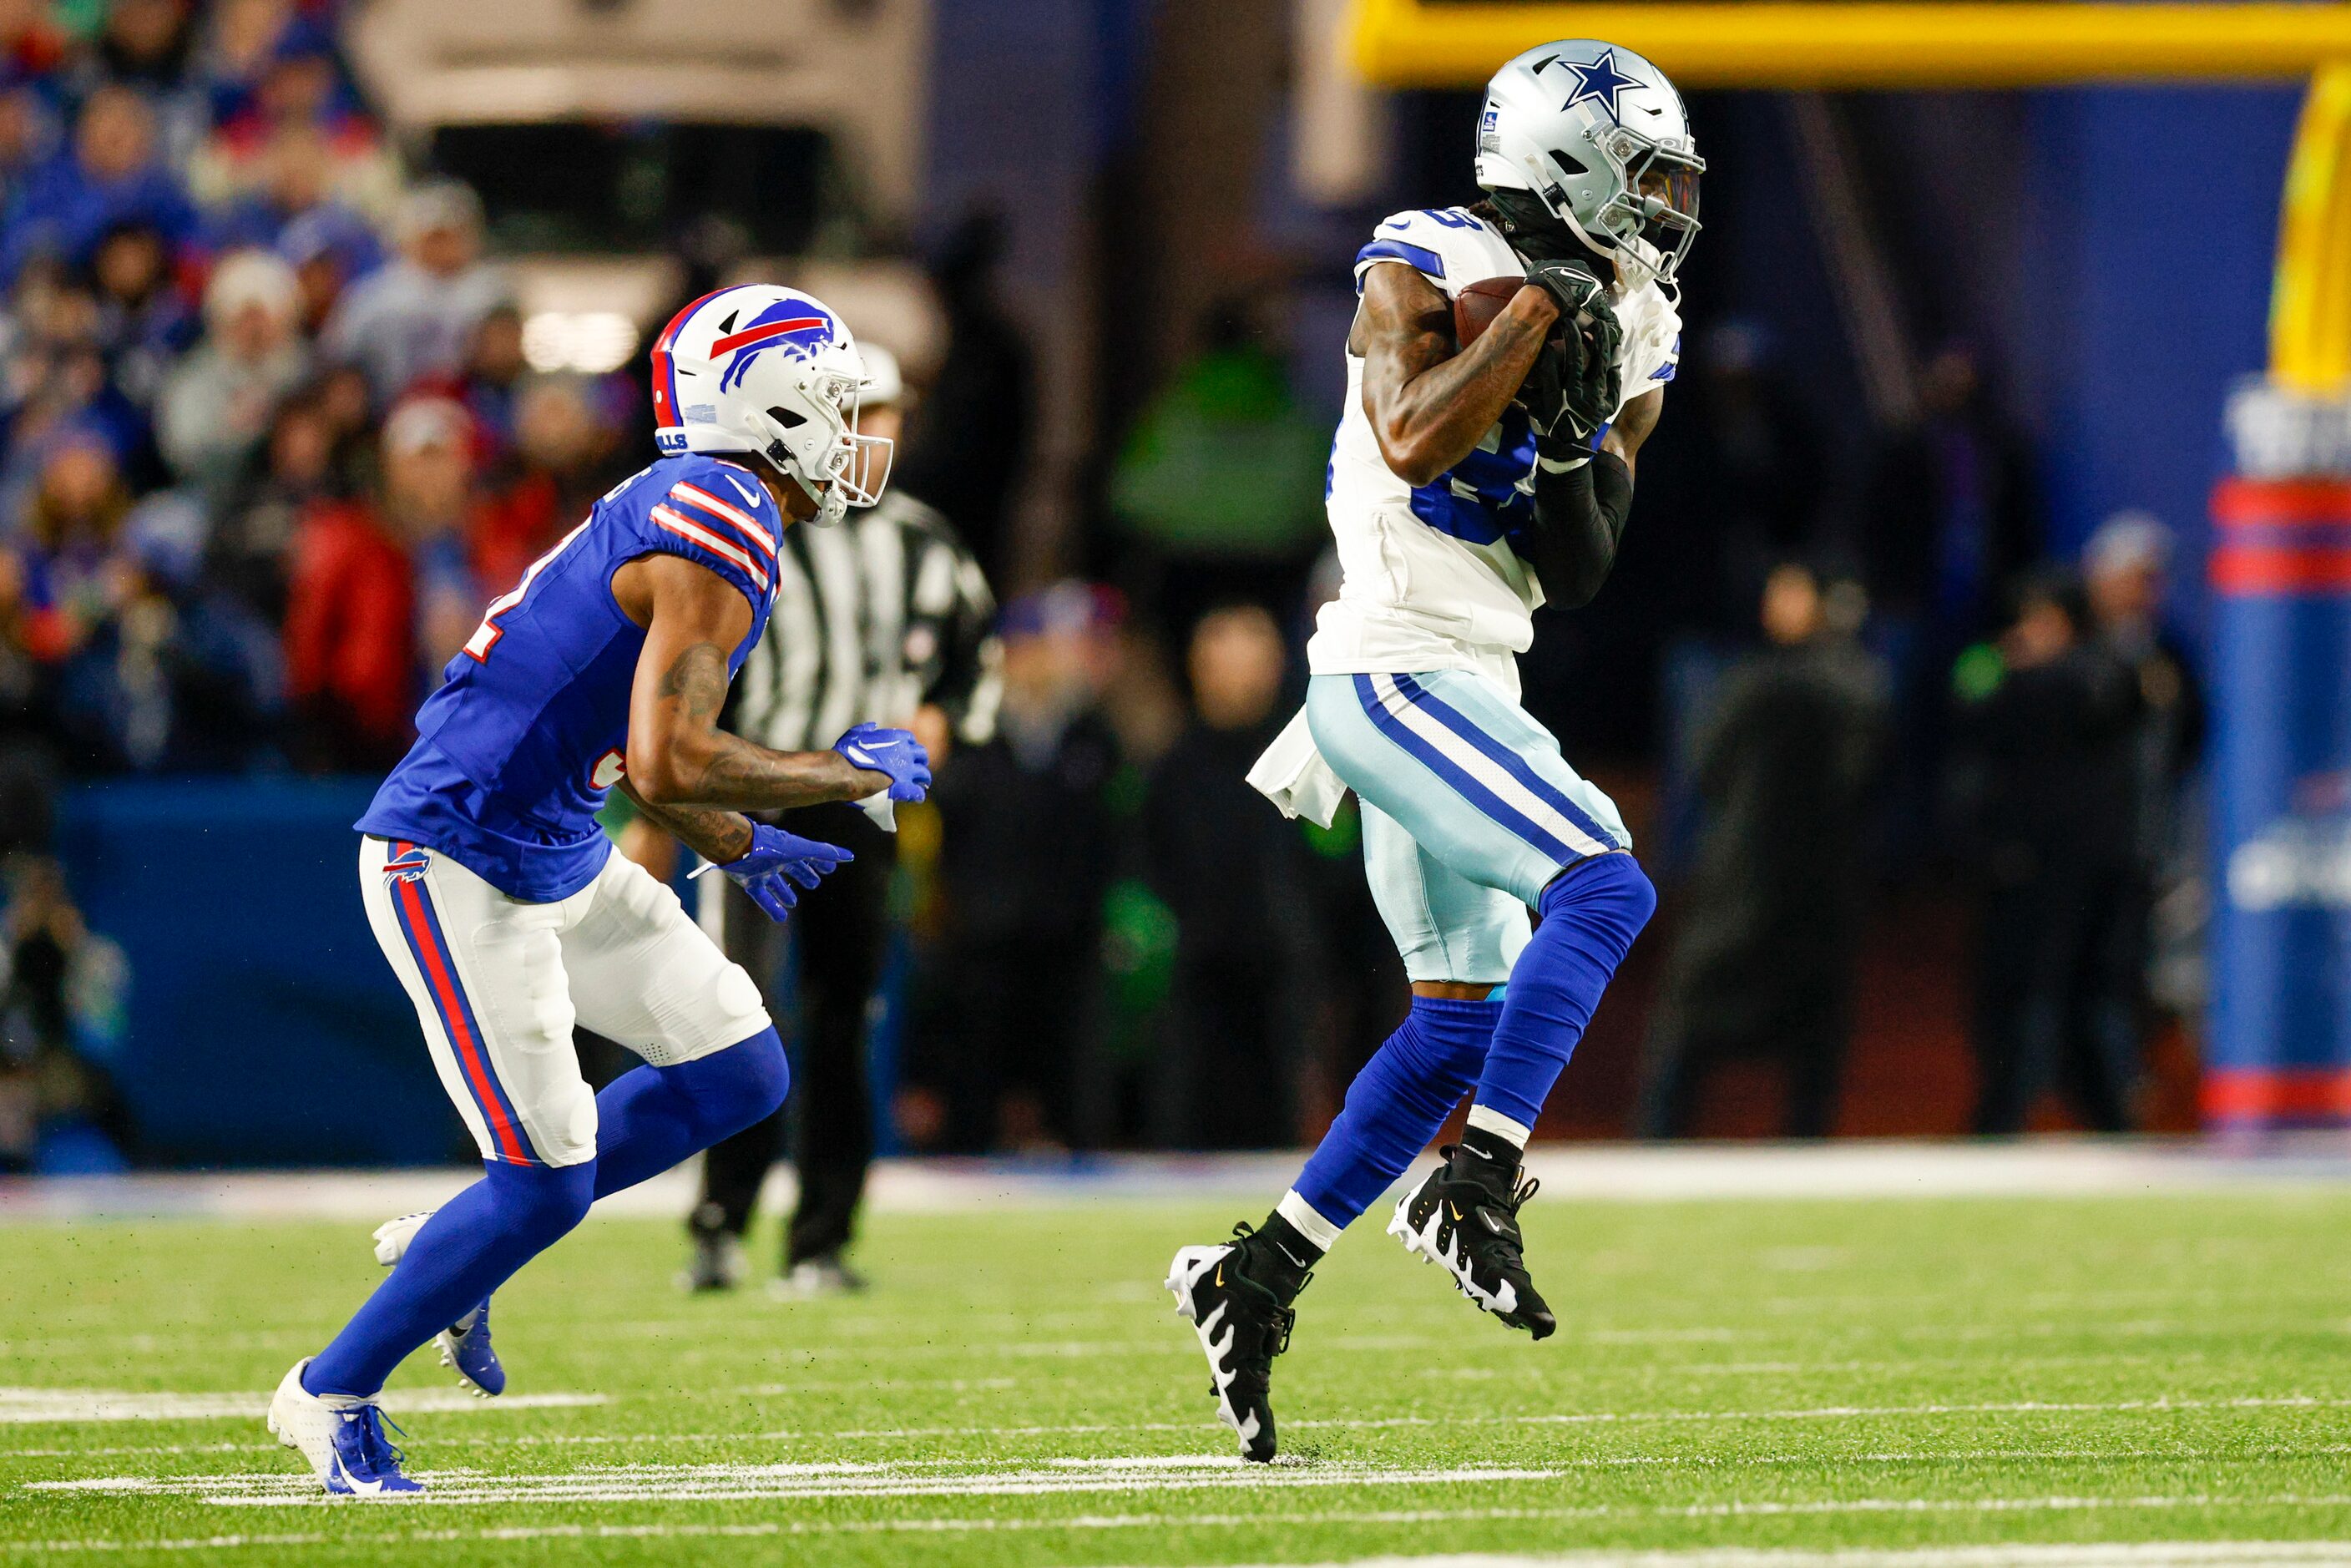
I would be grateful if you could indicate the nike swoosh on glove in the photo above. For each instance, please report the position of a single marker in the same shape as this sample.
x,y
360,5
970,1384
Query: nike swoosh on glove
x,y
776,860
1576,383
894,752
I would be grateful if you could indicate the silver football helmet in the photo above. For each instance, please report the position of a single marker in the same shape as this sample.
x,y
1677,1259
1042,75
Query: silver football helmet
x,y
1600,138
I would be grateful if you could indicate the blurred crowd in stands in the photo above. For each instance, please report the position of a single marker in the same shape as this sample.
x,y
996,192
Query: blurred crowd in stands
x,y
269,432
269,441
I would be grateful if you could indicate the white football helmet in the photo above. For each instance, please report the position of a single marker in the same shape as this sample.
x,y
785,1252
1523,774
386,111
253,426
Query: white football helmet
x,y
1599,136
767,369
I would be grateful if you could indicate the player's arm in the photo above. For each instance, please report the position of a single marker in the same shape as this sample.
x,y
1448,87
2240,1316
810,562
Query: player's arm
x,y
1581,502
717,837
690,775
1428,406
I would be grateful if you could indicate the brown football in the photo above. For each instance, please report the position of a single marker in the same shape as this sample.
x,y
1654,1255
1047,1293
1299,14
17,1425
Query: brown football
x,y
1475,308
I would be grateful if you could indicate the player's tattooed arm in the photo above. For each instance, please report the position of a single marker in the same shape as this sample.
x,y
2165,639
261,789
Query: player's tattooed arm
x,y
678,759
716,836
1428,406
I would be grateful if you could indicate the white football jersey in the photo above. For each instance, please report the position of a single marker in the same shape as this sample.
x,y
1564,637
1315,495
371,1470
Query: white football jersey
x,y
1431,580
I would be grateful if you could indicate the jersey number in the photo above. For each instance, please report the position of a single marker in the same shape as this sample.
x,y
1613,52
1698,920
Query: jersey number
x,y
486,636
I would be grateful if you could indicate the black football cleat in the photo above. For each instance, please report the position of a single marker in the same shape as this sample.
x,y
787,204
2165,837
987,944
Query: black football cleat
x,y
1466,1216
1243,1325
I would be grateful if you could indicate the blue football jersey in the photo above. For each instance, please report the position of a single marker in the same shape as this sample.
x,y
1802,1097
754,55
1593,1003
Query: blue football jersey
x,y
515,752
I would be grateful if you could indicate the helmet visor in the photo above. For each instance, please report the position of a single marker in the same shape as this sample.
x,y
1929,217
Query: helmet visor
x,y
1658,209
1666,184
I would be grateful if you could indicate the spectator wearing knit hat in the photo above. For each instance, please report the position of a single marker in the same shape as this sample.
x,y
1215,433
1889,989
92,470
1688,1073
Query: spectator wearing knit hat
x,y
414,317
217,404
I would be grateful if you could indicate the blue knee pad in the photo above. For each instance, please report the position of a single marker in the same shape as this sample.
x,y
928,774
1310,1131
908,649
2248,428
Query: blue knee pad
x,y
652,1118
1396,1103
1591,912
730,1089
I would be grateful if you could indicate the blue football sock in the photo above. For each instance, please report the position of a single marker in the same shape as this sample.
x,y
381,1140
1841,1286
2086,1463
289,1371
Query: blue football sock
x,y
1591,912
1394,1106
650,1118
469,1247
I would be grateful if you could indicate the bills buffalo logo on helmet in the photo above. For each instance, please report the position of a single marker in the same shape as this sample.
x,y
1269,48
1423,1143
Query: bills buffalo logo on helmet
x,y
796,322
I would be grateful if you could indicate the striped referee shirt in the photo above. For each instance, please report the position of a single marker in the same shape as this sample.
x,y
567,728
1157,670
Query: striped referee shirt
x,y
873,617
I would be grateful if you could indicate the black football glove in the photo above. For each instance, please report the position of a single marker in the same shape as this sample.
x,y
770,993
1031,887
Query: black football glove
x,y
1576,383
1575,286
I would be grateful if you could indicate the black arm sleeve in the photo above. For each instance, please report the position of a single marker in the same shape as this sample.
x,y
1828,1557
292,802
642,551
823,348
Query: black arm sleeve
x,y
1579,519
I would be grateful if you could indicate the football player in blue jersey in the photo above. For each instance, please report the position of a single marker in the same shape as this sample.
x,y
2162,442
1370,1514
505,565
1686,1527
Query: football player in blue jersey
x,y
498,900
1469,485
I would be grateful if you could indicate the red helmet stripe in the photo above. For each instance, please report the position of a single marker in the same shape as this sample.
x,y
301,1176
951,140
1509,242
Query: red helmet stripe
x,y
664,373
749,335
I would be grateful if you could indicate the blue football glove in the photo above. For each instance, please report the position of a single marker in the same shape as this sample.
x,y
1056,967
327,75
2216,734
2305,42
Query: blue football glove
x,y
775,860
891,751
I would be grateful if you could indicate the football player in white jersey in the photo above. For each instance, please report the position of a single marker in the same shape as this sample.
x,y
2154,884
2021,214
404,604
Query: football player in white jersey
x,y
1469,484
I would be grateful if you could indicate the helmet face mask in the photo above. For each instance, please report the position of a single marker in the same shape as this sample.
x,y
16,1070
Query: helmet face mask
x,y
764,369
1598,137
1654,216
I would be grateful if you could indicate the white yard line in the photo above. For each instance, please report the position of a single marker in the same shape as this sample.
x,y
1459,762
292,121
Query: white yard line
x,y
1607,1417
647,1483
1864,1169
247,1406
945,1478
2145,1554
43,1406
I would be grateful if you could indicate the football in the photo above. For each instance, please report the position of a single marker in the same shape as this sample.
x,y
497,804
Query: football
x,y
1475,308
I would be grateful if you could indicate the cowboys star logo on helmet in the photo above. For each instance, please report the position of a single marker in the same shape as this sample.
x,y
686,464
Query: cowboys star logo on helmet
x,y
767,371
1597,82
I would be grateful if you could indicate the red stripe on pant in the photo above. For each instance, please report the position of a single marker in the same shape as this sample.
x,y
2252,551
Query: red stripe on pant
x,y
439,974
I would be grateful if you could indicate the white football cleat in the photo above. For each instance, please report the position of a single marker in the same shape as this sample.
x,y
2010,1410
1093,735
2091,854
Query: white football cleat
x,y
464,1344
341,1439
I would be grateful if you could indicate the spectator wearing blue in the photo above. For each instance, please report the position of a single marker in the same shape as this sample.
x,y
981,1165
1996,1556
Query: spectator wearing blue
x,y
57,373
415,318
111,177
149,46
144,323
68,540
29,131
330,247
243,40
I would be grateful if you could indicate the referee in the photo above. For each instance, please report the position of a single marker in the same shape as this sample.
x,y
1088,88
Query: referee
x,y
885,617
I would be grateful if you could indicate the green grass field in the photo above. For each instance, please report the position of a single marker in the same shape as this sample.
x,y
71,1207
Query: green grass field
x,y
1762,1374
